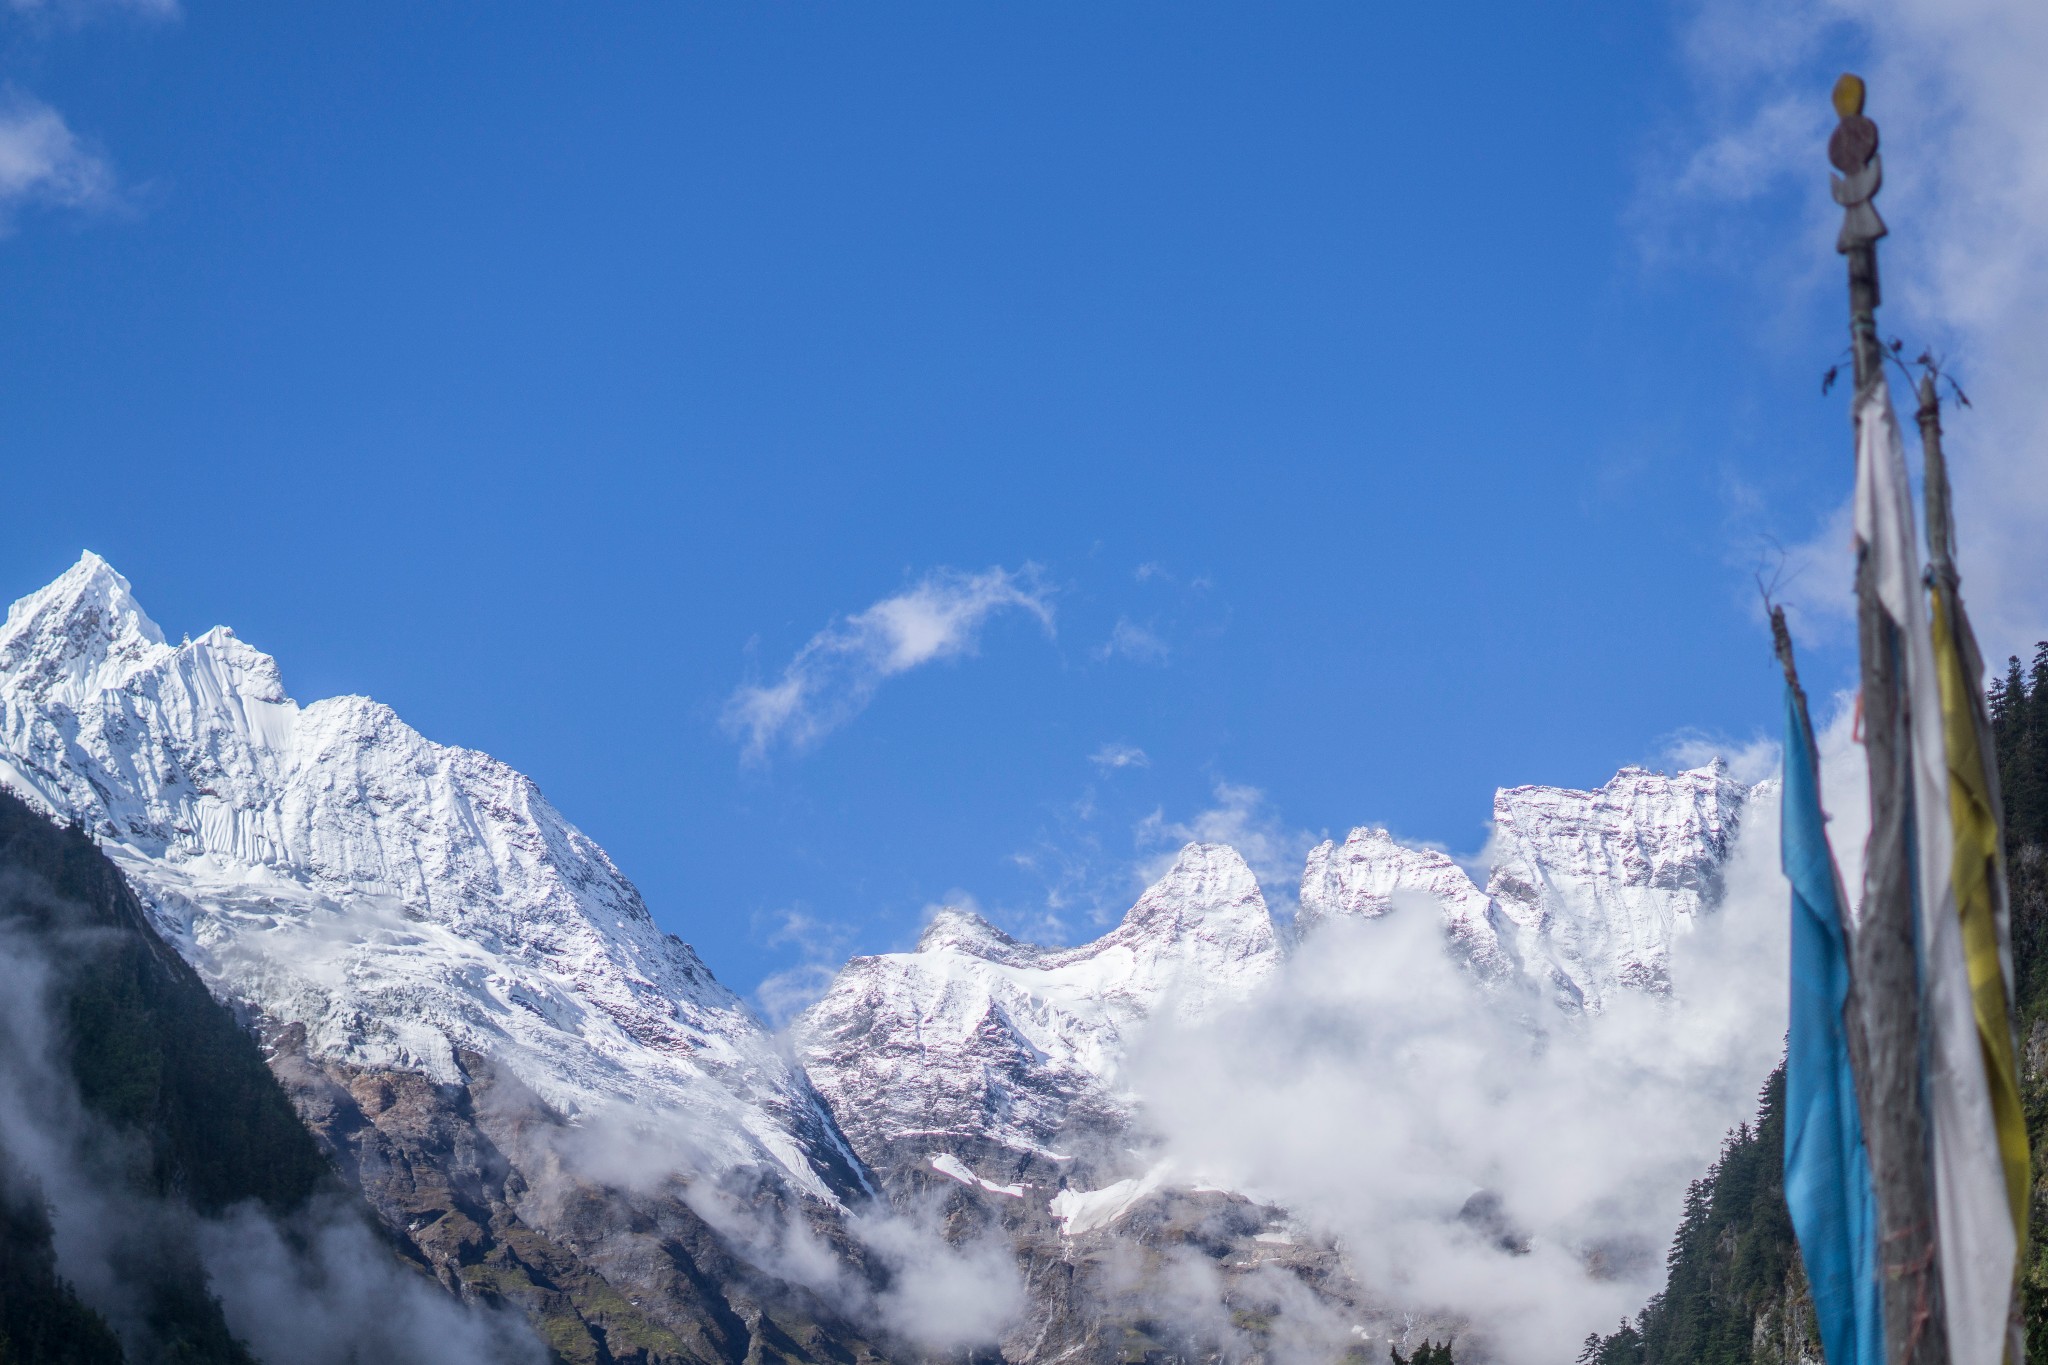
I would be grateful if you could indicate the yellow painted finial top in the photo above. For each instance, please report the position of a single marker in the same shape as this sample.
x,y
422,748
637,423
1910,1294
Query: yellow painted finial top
x,y
1849,95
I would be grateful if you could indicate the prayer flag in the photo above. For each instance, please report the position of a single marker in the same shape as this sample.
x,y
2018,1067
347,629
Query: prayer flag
x,y
1974,1225
1827,1170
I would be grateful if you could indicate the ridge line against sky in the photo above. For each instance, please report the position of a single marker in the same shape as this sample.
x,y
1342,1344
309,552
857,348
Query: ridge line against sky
x,y
572,392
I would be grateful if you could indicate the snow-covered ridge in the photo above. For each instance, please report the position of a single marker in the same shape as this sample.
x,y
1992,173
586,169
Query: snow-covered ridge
x,y
1364,876
977,1035
1587,889
1006,1051
410,904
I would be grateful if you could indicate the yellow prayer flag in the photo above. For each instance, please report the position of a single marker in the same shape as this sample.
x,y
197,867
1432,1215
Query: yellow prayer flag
x,y
1977,875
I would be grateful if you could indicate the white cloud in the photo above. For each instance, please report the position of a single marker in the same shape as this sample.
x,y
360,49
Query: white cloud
x,y
820,946
43,162
1373,1088
1129,640
1743,163
783,995
944,1297
1955,88
1111,757
835,675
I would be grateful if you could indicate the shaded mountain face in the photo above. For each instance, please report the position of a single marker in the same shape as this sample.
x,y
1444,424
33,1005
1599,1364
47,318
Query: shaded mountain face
x,y
553,1104
159,1198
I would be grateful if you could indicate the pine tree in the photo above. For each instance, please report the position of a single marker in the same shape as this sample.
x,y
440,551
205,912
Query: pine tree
x,y
1428,1353
2031,759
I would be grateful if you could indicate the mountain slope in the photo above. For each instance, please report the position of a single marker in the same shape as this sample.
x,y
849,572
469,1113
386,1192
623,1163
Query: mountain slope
x,y
398,899
552,1101
145,1150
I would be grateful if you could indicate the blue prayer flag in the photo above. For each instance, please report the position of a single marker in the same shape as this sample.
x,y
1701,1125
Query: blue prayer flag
x,y
1827,1170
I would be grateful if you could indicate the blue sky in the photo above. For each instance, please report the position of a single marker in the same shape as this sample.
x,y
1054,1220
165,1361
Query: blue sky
x,y
1347,408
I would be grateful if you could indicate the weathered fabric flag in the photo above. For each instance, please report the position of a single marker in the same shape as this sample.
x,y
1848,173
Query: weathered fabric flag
x,y
1974,1226
1827,1170
1979,875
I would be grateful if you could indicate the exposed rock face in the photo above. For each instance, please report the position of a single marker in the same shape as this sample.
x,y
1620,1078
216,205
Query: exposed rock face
x,y
472,1175
1598,884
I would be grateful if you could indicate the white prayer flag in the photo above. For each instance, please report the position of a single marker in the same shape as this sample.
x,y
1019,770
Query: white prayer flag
x,y
1974,1219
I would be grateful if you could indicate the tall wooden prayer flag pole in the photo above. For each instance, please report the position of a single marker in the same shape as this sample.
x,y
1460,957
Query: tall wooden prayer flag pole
x,y
1884,952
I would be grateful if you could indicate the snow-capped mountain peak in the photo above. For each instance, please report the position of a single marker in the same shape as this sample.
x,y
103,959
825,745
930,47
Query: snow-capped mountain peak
x,y
1364,876
83,633
976,1037
405,903
1208,893
957,930
1587,888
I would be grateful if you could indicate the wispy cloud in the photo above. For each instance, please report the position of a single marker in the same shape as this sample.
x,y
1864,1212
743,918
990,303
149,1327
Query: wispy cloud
x,y
820,944
1129,640
78,11
835,675
1751,760
42,161
1111,757
783,995
1773,145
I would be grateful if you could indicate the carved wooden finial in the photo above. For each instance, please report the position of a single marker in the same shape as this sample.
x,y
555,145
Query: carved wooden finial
x,y
1853,150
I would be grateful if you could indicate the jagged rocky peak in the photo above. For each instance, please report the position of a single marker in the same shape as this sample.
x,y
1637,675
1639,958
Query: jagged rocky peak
x,y
1586,889
403,903
82,633
1365,875
1208,895
1594,885
955,929
978,1046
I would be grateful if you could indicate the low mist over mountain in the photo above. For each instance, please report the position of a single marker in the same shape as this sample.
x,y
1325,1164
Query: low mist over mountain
x,y
1443,1099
